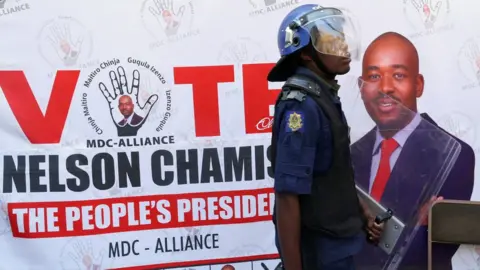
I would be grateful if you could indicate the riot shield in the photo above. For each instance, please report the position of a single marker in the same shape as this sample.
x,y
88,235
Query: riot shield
x,y
401,160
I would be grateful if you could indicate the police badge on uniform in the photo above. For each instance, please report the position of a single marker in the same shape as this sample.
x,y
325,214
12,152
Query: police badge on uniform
x,y
294,121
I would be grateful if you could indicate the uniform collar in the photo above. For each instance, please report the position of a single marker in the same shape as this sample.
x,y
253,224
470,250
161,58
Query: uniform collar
x,y
334,87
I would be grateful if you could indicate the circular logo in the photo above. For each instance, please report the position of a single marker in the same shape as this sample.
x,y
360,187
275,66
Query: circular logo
x,y
426,14
168,20
260,7
132,91
469,61
89,252
459,125
65,42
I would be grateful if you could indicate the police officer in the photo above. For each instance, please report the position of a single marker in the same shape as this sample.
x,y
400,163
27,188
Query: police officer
x,y
318,216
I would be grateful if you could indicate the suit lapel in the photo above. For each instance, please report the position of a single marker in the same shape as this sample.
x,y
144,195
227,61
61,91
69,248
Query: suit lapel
x,y
411,170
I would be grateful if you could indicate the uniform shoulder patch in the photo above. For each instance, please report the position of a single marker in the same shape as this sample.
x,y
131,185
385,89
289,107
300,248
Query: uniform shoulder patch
x,y
293,95
295,121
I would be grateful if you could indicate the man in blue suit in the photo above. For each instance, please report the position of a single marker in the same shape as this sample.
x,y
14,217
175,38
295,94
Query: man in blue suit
x,y
391,160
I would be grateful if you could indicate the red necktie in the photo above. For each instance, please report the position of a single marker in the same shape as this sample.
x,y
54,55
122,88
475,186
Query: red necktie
x,y
383,173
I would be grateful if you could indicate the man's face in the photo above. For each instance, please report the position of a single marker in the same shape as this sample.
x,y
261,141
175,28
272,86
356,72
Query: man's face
x,y
331,48
125,105
167,16
390,82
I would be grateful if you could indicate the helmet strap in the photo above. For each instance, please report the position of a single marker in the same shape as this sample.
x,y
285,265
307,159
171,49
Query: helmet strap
x,y
320,65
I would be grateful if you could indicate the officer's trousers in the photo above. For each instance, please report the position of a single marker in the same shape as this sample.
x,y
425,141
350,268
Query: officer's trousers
x,y
311,260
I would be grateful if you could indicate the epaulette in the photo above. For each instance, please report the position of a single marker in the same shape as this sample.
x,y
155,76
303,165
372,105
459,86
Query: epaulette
x,y
304,84
288,94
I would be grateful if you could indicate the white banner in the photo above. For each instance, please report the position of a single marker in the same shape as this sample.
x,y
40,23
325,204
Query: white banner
x,y
136,134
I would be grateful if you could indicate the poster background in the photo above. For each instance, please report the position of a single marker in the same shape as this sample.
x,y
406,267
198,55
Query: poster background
x,y
211,33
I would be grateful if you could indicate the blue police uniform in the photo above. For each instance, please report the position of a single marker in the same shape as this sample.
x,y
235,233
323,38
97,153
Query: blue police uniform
x,y
310,149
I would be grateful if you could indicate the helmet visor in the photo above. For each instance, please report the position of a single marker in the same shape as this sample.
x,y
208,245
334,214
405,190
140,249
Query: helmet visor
x,y
334,35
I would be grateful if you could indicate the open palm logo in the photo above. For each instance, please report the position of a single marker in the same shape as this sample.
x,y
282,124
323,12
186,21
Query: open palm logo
x,y
65,42
85,254
429,11
472,53
460,125
168,20
127,113
67,49
168,16
240,51
468,61
85,258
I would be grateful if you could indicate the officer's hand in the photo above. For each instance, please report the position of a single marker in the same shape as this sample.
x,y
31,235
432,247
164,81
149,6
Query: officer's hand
x,y
374,230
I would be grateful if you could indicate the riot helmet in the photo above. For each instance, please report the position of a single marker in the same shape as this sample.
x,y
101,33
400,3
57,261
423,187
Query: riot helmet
x,y
318,29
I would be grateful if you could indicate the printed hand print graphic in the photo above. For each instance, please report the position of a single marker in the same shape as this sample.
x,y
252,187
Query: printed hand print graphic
x,y
2,3
472,53
241,50
239,53
428,11
67,48
84,256
167,15
123,100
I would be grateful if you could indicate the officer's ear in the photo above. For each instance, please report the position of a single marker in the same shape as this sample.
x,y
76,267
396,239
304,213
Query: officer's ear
x,y
305,57
419,85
